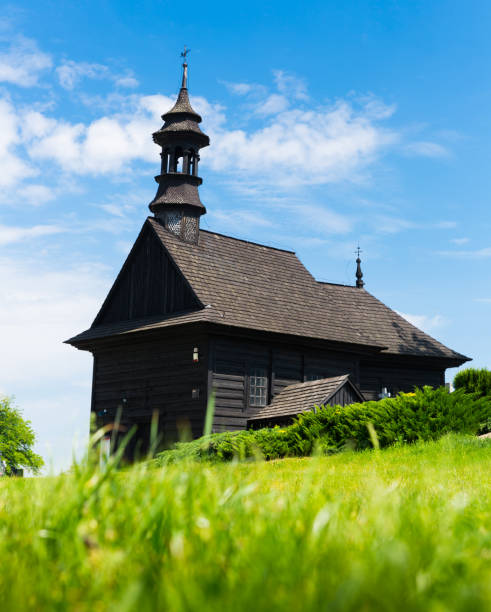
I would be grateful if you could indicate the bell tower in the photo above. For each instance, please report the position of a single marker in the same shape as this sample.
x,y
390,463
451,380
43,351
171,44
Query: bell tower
x,y
177,204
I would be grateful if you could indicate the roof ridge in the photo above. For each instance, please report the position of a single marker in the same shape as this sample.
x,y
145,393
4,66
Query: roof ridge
x,y
266,246
335,284
312,383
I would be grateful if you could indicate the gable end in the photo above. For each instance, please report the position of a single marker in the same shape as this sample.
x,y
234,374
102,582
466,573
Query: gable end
x,y
149,284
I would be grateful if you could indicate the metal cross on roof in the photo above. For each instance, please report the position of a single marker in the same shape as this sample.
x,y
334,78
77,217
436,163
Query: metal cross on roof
x,y
358,251
185,53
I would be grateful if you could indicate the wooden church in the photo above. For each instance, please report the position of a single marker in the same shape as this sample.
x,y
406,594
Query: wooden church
x,y
193,311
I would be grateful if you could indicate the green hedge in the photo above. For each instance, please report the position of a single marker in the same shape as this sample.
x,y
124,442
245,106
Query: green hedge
x,y
473,380
426,414
478,383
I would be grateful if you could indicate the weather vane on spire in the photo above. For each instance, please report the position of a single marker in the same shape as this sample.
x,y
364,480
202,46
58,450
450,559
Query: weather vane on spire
x,y
185,53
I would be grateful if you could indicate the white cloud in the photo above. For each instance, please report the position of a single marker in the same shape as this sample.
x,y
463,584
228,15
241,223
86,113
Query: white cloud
x,y
446,224
243,89
240,220
290,85
427,323
291,146
13,167
23,63
387,224
459,241
107,144
286,84
70,73
375,108
319,219
391,225
35,195
274,104
483,300
124,246
128,82
114,209
476,254
320,146
427,149
10,234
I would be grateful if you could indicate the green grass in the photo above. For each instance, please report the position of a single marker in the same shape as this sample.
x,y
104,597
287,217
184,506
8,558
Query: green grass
x,y
406,528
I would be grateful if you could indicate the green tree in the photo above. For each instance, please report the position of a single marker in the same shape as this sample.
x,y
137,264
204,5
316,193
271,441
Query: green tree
x,y
16,439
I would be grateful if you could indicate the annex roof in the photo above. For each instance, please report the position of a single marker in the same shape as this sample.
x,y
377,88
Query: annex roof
x,y
302,397
248,285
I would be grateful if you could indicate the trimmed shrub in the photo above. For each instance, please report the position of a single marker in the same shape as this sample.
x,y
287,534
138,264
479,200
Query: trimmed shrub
x,y
426,414
477,382
473,380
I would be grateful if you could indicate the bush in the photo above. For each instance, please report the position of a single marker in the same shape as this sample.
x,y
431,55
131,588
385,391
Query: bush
x,y
473,380
426,414
477,382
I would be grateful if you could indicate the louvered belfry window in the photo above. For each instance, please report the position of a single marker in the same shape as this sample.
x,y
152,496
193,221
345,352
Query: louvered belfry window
x,y
258,387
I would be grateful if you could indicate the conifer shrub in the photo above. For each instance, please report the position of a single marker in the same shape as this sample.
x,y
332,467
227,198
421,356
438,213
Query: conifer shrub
x,y
473,380
477,382
426,414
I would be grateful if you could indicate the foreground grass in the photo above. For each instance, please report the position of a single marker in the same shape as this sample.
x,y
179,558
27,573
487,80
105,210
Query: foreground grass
x,y
405,528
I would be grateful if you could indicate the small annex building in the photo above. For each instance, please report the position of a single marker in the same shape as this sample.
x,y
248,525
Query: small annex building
x,y
306,396
193,311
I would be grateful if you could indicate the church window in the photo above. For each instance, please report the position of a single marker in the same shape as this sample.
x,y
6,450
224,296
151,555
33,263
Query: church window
x,y
258,387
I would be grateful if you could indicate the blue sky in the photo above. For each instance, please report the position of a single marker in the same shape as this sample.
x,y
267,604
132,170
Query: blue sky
x,y
330,123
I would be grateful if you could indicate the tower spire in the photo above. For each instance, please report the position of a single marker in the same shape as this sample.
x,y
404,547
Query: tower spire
x,y
359,274
177,204
184,54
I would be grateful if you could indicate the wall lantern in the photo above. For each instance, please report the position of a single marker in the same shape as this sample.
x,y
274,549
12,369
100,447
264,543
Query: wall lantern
x,y
195,355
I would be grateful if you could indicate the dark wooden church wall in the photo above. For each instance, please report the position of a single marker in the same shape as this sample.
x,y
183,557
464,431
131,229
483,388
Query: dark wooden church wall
x,y
155,375
149,284
396,376
324,364
298,365
229,366
287,369
230,363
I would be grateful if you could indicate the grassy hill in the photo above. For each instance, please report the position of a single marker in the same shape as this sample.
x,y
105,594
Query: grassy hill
x,y
407,527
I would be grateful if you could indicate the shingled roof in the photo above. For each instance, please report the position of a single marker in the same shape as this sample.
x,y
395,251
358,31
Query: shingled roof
x,y
302,397
248,285
361,309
